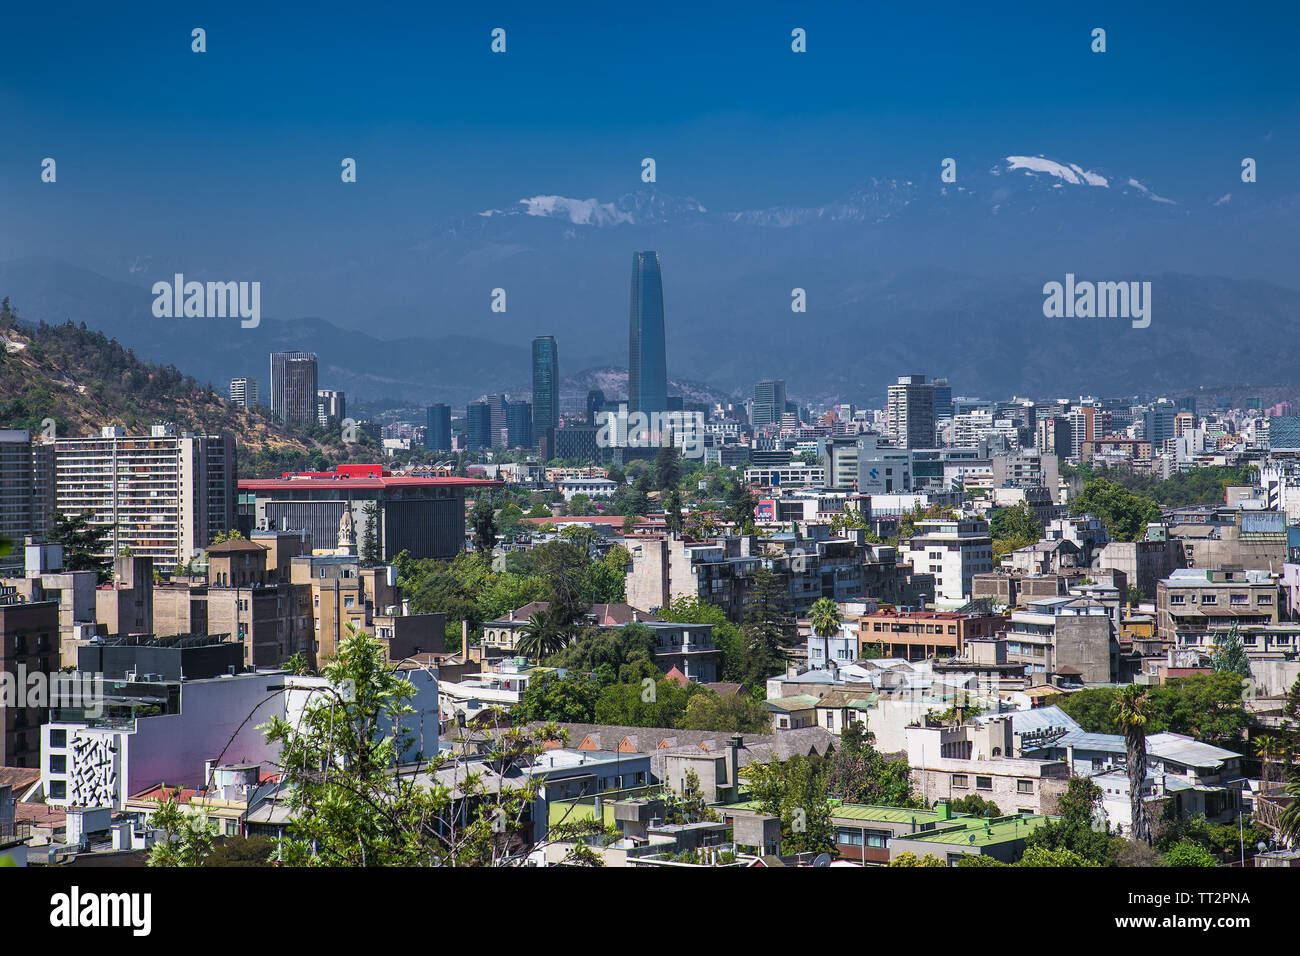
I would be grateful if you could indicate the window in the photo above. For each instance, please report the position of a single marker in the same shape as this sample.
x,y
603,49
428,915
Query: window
x,y
1209,599
983,783
1024,786
58,789
58,763
960,781
58,738
847,836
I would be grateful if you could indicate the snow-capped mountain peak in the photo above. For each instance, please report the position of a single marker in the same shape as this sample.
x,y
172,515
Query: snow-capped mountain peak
x,y
1070,173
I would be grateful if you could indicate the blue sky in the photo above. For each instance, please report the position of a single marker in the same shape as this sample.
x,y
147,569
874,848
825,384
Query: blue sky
x,y
141,126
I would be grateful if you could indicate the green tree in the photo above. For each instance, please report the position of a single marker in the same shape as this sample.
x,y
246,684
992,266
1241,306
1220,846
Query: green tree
x,y
1017,522
911,859
349,805
768,630
1188,853
667,468
1229,654
975,806
550,696
795,792
1125,514
82,543
483,520
858,773
731,713
186,837
622,655
371,552
1054,857
1080,828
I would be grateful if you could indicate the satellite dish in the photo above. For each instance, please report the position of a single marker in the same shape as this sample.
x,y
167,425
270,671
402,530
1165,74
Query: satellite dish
x,y
823,859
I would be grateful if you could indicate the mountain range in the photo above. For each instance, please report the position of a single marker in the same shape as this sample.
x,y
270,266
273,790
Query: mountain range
x,y
900,275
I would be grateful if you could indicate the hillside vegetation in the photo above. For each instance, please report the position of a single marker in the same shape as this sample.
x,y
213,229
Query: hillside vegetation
x,y
84,380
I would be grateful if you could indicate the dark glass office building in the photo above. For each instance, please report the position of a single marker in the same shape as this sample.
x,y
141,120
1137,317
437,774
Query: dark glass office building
x,y
437,432
647,383
519,425
546,388
478,425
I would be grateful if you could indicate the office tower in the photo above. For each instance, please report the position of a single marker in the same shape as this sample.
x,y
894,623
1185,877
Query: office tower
x,y
546,386
769,403
243,392
437,432
647,376
331,406
478,425
595,402
497,404
293,388
164,495
519,425
909,412
1158,424
942,399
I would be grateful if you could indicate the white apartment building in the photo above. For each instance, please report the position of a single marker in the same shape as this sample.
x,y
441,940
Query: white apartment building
x,y
243,392
164,495
954,550
794,475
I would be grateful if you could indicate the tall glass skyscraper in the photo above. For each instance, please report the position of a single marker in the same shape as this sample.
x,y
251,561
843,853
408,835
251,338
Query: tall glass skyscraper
x,y
437,434
546,386
647,381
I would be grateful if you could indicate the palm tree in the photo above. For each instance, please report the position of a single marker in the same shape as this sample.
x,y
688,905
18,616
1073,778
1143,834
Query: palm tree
x,y
542,637
1269,748
1132,711
825,618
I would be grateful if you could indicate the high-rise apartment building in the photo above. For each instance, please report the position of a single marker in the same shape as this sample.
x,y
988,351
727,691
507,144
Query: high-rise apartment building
x,y
331,406
437,431
909,412
769,403
164,495
25,493
647,381
243,392
546,388
293,388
